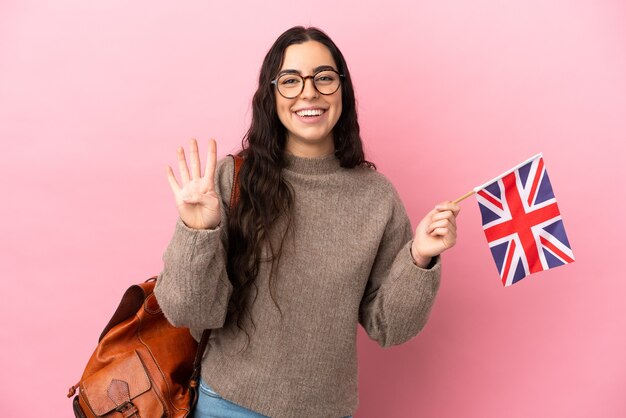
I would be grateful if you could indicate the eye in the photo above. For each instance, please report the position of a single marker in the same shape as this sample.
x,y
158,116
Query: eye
x,y
325,77
289,80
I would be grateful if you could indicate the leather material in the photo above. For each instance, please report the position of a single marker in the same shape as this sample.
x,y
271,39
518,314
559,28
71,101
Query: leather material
x,y
119,393
234,195
116,384
142,362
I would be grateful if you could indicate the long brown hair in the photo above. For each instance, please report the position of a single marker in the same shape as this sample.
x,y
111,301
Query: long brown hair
x,y
265,196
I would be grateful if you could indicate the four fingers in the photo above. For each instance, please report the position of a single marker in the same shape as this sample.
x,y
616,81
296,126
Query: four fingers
x,y
186,174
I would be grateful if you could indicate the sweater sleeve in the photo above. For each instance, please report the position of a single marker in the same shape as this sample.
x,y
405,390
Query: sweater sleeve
x,y
193,289
399,294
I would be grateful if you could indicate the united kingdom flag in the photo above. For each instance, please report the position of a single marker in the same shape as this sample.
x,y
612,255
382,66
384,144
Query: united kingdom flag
x,y
522,222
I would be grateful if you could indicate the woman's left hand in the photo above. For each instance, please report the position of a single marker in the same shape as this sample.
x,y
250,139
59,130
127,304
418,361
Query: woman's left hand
x,y
435,233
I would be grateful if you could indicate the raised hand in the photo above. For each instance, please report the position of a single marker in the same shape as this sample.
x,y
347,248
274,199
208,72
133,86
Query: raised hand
x,y
435,233
197,201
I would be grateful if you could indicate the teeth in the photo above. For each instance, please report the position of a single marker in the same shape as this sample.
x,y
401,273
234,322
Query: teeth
x,y
310,112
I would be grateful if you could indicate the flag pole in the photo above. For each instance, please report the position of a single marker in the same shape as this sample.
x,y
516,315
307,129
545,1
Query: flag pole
x,y
465,196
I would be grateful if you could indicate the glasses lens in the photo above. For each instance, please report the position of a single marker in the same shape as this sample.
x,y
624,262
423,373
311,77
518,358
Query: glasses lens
x,y
289,85
327,82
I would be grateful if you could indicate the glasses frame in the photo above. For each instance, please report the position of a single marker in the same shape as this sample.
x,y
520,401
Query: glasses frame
x,y
312,77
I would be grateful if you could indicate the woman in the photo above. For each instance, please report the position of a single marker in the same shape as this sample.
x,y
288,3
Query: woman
x,y
318,243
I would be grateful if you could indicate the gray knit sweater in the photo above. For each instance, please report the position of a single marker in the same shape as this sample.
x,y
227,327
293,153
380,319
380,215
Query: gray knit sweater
x,y
348,262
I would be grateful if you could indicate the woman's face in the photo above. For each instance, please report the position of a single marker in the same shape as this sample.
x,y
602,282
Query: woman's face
x,y
309,117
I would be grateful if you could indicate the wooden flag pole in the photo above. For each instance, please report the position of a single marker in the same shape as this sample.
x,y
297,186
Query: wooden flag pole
x,y
465,196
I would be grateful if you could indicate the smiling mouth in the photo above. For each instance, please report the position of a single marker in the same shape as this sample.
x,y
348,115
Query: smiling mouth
x,y
309,113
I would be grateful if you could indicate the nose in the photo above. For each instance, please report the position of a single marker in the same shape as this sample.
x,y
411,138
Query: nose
x,y
309,91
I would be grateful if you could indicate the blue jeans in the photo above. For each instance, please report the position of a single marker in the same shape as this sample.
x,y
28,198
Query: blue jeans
x,y
212,405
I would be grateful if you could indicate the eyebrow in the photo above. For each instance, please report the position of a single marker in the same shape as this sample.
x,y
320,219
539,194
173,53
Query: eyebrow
x,y
315,70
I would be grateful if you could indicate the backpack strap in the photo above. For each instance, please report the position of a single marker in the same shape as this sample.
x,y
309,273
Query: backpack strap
x,y
234,199
234,194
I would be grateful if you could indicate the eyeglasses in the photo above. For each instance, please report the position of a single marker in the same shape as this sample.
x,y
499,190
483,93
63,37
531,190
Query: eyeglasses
x,y
290,85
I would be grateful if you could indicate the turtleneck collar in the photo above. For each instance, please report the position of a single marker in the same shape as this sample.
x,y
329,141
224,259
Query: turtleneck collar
x,y
312,165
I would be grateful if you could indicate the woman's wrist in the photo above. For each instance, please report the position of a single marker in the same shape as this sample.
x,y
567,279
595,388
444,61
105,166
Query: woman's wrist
x,y
419,261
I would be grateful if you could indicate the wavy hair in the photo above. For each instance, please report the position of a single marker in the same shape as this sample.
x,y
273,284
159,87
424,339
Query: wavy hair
x,y
265,196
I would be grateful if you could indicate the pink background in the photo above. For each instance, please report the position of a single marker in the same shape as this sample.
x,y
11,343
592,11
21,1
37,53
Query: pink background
x,y
96,96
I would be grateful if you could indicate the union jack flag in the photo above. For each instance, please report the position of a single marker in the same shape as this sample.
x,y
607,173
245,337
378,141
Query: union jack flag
x,y
522,222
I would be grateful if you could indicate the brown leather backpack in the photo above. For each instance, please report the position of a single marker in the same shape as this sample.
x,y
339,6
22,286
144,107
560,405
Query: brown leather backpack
x,y
143,367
